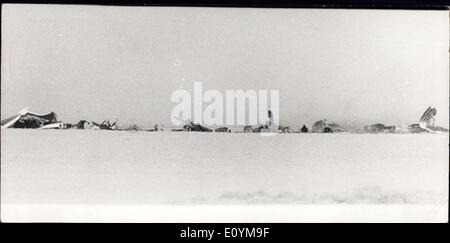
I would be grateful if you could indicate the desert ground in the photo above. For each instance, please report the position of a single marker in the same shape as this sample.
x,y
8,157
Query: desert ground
x,y
169,168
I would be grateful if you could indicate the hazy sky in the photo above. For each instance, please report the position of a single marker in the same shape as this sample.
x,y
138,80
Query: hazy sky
x,y
351,66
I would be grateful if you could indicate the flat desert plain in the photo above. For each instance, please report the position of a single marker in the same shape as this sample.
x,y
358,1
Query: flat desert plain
x,y
108,168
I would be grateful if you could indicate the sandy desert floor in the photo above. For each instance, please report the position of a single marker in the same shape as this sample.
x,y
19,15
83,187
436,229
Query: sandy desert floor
x,y
169,168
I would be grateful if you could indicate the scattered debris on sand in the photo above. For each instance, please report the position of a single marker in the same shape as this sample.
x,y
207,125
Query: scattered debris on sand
x,y
416,128
323,127
268,127
133,127
82,124
304,129
159,128
319,126
379,128
222,129
428,116
437,129
177,130
28,119
195,127
426,123
105,125
285,129
248,129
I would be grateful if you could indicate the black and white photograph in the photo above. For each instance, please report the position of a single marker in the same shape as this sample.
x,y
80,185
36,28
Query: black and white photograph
x,y
166,114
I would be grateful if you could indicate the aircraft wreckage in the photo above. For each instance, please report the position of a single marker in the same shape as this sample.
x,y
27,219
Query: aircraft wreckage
x,y
426,123
323,126
28,119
